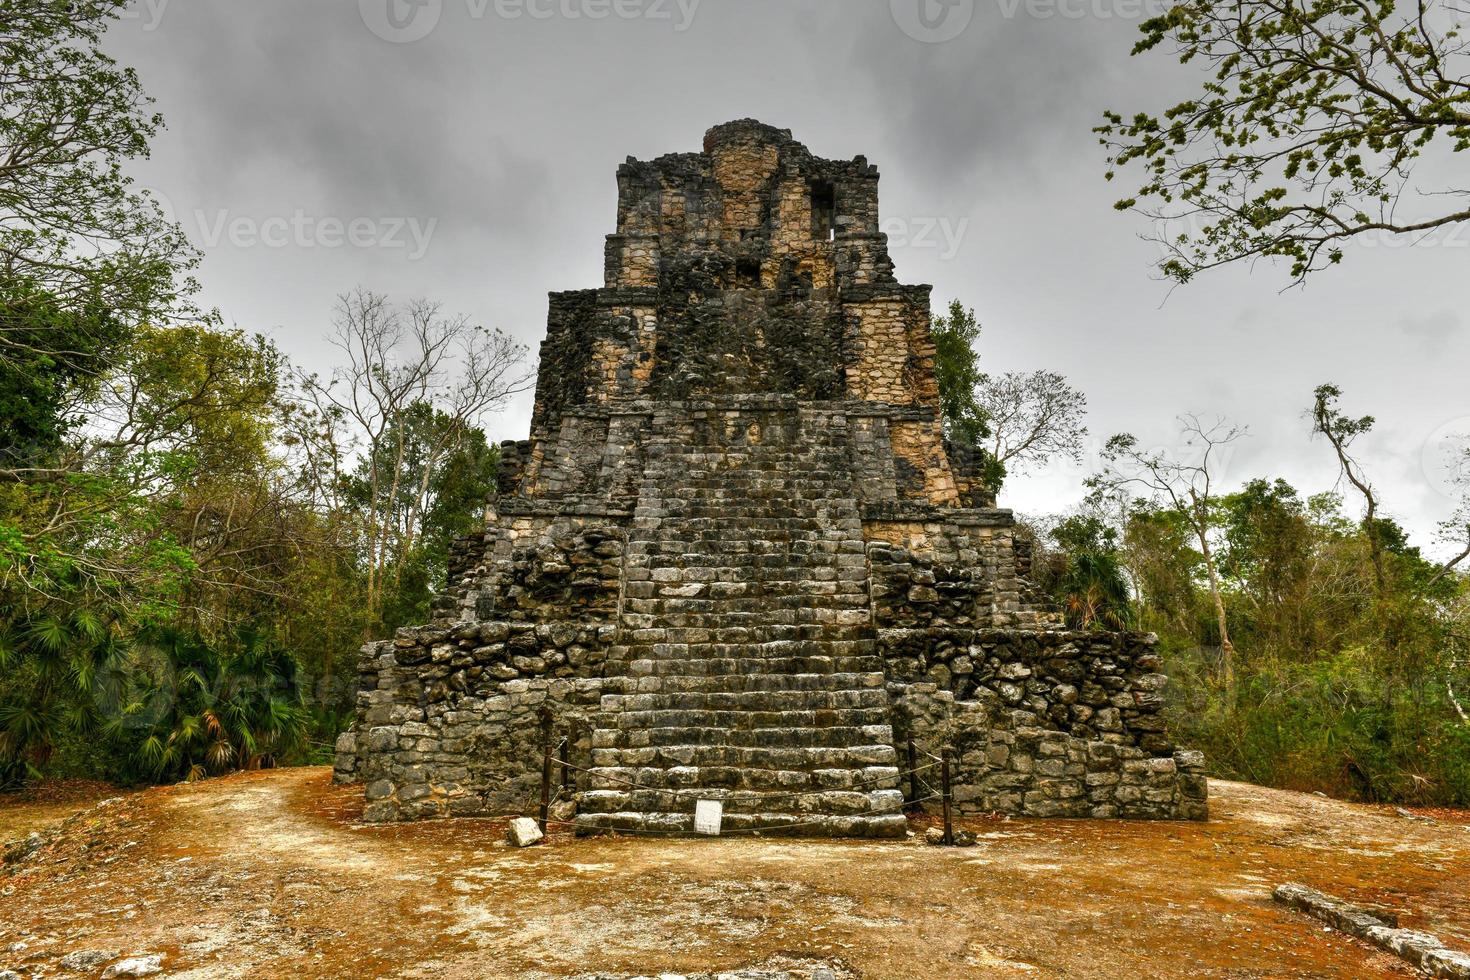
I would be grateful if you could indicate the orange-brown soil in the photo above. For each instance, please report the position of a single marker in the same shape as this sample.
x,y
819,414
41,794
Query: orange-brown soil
x,y
267,875
39,804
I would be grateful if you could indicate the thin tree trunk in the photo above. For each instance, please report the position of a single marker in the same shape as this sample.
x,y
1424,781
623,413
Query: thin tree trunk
x,y
1227,649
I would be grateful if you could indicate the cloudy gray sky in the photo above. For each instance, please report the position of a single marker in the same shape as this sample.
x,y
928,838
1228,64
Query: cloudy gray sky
x,y
475,144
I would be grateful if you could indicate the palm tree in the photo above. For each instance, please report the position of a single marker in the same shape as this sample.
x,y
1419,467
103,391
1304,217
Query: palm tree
x,y
1094,591
55,660
201,712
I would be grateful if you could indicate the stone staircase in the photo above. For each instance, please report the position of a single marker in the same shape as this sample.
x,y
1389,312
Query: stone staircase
x,y
747,644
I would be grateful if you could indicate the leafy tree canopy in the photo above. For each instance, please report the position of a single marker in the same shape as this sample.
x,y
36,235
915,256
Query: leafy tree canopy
x,y
72,225
1306,133
957,369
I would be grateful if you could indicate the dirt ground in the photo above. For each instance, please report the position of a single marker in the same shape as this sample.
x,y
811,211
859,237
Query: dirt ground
x,y
44,803
267,875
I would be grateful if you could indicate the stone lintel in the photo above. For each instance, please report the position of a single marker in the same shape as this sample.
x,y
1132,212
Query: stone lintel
x,y
559,507
920,512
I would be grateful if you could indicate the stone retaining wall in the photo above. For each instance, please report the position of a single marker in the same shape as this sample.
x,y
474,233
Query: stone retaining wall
x,y
1094,686
1005,763
450,717
1044,723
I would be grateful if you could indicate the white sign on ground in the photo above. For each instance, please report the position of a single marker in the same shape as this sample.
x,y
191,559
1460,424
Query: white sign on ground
x,y
707,817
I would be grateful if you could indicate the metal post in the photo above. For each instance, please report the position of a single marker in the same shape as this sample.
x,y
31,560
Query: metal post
x,y
546,748
566,770
944,774
913,774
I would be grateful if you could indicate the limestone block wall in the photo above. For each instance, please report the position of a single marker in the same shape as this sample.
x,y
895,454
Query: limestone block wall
x,y
1095,686
1007,764
939,567
551,569
1044,723
450,716
892,350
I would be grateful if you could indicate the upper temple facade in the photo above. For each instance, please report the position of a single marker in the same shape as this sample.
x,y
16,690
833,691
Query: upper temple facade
x,y
737,561
753,268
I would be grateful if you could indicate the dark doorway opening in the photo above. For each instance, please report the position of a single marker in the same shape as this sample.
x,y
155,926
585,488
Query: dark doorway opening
x,y
824,211
748,274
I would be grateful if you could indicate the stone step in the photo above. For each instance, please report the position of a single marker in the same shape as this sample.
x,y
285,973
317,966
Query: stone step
x,y
743,643
761,700
743,824
747,720
737,576
728,683
814,534
853,624
778,755
852,609
794,583
747,650
814,523
832,737
749,667
737,800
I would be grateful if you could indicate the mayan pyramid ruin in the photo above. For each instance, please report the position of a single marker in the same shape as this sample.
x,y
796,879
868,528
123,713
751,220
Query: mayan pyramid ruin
x,y
737,561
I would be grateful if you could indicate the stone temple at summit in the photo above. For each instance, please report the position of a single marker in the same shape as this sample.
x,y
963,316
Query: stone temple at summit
x,y
738,561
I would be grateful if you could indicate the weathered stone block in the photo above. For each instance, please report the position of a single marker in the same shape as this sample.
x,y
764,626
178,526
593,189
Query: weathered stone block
x,y
523,832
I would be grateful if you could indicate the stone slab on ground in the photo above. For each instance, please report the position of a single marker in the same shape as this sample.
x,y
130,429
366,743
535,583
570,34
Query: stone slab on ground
x,y
135,966
85,960
1419,948
780,968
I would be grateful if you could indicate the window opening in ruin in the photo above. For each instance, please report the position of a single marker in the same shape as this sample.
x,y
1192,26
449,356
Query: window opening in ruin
x,y
748,274
824,211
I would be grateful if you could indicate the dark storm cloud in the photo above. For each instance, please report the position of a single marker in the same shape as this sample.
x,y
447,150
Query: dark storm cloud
x,y
504,129
1006,94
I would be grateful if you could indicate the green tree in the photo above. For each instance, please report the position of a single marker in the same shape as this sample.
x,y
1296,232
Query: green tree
x,y
72,225
1341,431
49,363
1384,536
191,709
1305,134
180,413
360,426
53,659
1187,482
1093,587
1164,566
957,369
1009,421
169,509
1336,686
440,497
